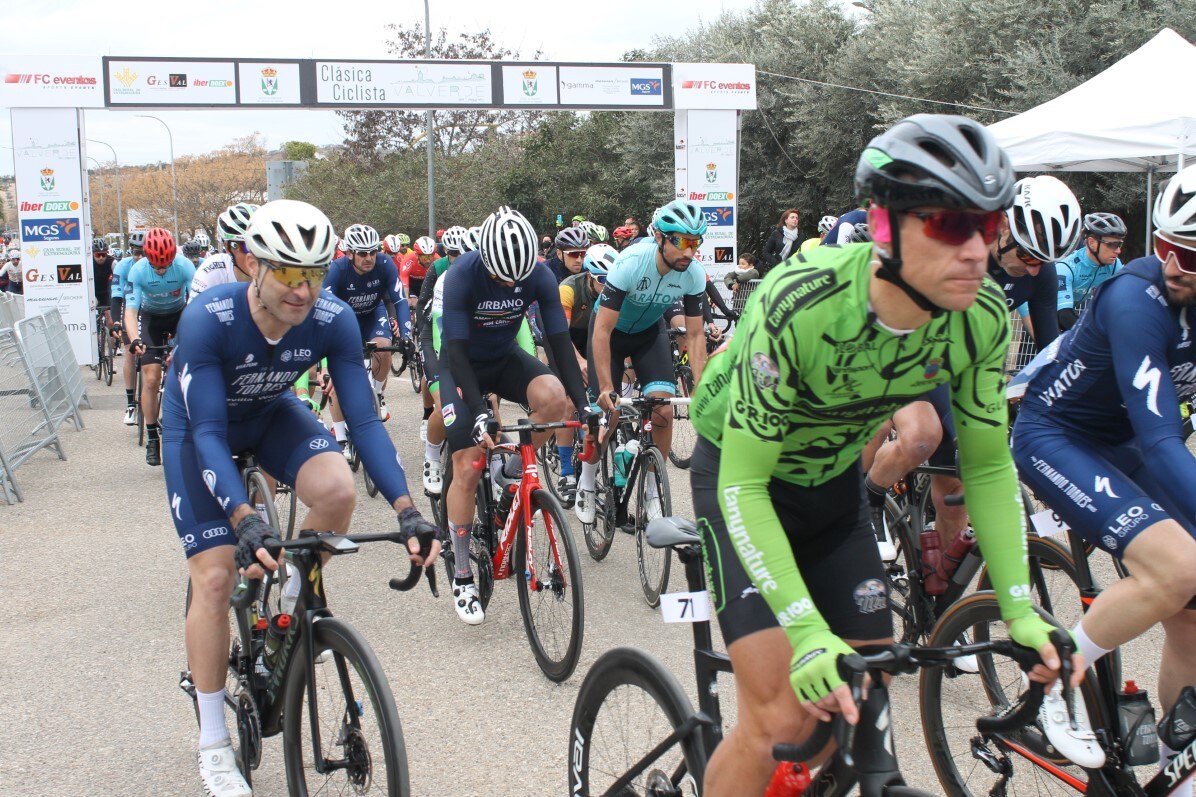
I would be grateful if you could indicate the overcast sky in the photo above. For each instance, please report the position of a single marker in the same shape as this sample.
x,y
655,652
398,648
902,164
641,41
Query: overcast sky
x,y
306,29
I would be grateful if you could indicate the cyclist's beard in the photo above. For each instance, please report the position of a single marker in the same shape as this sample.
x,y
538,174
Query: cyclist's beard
x,y
675,265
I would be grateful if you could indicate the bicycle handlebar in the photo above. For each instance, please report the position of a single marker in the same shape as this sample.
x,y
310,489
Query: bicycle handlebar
x,y
588,453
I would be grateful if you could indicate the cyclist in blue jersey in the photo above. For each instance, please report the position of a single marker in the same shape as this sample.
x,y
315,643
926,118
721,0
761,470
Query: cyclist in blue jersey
x,y
1100,438
368,281
645,281
120,273
486,297
155,297
240,349
1081,272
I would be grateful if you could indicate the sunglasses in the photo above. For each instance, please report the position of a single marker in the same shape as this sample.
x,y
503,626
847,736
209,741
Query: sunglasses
x,y
1022,255
575,254
956,227
1185,257
685,241
365,252
1116,246
295,276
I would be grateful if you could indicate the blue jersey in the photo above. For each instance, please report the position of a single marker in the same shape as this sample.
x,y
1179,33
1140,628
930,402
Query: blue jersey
x,y
851,217
1038,292
488,314
364,293
159,294
224,372
648,292
120,277
1120,374
1079,275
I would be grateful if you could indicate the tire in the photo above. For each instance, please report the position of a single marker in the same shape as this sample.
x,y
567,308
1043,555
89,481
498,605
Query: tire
x,y
110,359
549,459
355,459
684,436
950,700
286,506
903,578
601,533
1054,583
371,489
654,563
415,371
627,705
554,609
261,500
359,723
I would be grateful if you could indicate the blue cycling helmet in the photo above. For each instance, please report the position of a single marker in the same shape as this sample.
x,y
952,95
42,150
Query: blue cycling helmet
x,y
599,259
681,217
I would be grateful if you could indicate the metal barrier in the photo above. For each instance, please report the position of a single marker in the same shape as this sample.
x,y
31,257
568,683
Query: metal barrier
x,y
740,297
26,425
52,368
11,310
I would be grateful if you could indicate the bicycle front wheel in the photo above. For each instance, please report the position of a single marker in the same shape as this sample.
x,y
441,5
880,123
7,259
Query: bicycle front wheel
x,y
414,371
951,698
601,533
358,732
684,437
654,563
109,359
550,596
628,705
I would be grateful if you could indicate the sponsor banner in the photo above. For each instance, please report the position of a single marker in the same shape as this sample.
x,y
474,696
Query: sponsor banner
x,y
598,86
51,81
171,82
52,220
529,84
269,83
711,148
415,84
714,86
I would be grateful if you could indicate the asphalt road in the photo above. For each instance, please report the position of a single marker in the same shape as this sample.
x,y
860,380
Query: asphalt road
x,y
92,578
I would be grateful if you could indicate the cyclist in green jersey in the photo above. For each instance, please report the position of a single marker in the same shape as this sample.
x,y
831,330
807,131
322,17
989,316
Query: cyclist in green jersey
x,y
833,342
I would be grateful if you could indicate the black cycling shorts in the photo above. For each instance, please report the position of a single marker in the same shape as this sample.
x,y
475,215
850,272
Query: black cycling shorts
x,y
581,339
507,378
117,309
154,329
832,541
650,356
940,399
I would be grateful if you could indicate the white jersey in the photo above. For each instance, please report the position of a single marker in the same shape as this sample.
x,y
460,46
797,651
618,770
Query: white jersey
x,y
215,270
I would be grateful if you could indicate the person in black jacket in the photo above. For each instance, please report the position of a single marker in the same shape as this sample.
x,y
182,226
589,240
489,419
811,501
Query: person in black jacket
x,y
783,241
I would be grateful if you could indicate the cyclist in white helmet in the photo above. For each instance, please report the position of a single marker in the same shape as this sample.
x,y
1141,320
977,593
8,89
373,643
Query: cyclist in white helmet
x,y
228,266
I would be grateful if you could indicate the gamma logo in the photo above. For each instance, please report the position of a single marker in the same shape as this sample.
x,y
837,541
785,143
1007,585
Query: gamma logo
x,y
33,230
126,77
642,87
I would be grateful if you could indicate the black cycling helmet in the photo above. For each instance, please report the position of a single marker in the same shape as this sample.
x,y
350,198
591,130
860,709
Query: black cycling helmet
x,y
193,248
99,245
1101,224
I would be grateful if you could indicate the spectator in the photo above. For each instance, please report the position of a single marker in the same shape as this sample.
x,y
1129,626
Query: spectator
x,y
545,247
745,271
637,229
577,220
783,241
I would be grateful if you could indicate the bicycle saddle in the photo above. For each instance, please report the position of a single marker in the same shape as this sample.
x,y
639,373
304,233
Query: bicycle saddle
x,y
669,532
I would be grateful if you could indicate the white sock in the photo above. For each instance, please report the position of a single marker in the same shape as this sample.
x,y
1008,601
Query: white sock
x,y
432,451
1091,651
212,727
1165,755
589,476
341,430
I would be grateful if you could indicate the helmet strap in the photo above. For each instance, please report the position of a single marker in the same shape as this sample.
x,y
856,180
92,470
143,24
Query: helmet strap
x,y
890,271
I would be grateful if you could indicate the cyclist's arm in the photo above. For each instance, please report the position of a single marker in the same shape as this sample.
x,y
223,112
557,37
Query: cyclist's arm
x,y
1043,306
426,292
397,293
1065,279
456,320
604,323
716,299
695,333
567,297
556,335
132,302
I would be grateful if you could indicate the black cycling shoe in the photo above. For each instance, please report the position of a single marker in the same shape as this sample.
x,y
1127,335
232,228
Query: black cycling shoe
x,y
153,452
566,487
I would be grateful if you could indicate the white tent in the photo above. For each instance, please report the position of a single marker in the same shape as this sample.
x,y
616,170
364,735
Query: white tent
x,y
1133,117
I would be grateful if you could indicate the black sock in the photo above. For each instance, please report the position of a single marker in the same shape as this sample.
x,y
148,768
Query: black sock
x,y
151,431
129,397
428,412
876,493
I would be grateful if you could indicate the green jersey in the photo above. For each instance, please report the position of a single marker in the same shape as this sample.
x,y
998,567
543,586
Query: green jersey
x,y
809,378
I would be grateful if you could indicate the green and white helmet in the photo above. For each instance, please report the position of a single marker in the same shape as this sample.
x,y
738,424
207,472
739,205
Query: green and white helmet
x,y
233,222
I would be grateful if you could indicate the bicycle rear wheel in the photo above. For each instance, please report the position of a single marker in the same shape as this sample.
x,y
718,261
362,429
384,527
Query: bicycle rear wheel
x,y
264,504
627,706
654,563
109,359
415,371
601,533
684,437
950,699
361,739
550,592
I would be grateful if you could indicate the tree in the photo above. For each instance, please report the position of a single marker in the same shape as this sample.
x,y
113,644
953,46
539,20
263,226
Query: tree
x,y
299,151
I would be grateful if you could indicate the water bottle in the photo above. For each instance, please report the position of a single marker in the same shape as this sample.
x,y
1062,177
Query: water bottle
x,y
788,780
621,462
1135,720
960,547
280,624
932,563
1178,728
504,502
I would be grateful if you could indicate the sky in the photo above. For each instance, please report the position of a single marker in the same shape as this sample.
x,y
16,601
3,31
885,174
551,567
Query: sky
x,y
305,29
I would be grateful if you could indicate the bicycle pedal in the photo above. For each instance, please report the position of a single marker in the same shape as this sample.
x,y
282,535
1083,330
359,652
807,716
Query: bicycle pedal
x,y
186,684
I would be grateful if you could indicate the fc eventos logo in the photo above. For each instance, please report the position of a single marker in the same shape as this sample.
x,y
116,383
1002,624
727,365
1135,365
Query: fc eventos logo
x,y
720,216
33,230
643,87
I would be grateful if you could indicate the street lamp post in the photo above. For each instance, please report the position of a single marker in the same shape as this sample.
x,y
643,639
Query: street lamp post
x,y
120,208
430,125
173,182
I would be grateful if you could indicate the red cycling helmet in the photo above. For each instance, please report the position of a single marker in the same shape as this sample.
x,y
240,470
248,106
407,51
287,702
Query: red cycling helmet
x,y
624,232
160,247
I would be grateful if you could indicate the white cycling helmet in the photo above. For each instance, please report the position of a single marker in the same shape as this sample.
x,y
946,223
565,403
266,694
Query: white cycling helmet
x,y
291,233
452,239
1045,217
362,238
509,245
14,254
600,259
826,224
390,244
471,239
1175,207
201,239
232,223
425,246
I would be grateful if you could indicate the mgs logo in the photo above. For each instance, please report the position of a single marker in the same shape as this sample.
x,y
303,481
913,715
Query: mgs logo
x,y
531,84
126,77
269,81
47,179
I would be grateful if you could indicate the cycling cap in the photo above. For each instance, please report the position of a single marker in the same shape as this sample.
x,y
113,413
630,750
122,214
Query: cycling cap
x,y
287,232
160,247
232,222
600,258
826,224
680,216
471,239
390,244
1045,217
938,161
137,238
193,248
99,245
572,238
425,246
452,238
362,238
1175,208
508,245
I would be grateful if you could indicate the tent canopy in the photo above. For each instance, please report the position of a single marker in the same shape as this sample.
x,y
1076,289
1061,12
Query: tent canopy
x,y
1154,121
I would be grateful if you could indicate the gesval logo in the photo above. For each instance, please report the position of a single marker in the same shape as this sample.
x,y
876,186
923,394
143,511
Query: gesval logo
x,y
126,77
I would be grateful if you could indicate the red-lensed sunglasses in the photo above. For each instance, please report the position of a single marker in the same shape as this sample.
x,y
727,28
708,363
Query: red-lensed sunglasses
x,y
956,227
1022,255
1185,258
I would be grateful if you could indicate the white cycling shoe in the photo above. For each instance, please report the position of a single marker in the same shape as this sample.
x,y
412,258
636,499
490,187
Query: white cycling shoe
x,y
423,431
467,603
219,773
1079,745
130,416
433,476
586,508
